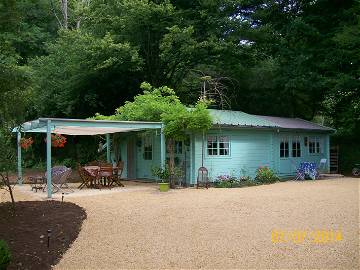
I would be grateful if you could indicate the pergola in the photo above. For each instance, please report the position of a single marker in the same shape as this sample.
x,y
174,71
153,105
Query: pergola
x,y
81,127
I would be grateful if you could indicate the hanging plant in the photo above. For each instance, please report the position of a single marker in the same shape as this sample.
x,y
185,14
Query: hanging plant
x,y
57,140
25,143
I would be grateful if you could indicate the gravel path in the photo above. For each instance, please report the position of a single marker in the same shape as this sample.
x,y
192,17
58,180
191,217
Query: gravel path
x,y
218,228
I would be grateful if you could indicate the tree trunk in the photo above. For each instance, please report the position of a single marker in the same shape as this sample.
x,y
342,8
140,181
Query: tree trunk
x,y
64,9
6,181
170,146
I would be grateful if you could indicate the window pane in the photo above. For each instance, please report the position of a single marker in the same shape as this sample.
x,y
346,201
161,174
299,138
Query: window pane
x,y
223,138
284,148
223,152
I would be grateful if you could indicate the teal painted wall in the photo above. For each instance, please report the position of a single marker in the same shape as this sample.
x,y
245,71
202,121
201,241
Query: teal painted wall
x,y
286,167
248,150
251,148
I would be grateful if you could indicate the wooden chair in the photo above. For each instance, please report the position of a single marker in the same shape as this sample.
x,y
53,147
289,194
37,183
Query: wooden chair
x,y
117,171
85,177
93,163
106,175
203,177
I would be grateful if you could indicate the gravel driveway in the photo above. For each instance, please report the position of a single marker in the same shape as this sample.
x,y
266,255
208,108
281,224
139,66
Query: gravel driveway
x,y
219,228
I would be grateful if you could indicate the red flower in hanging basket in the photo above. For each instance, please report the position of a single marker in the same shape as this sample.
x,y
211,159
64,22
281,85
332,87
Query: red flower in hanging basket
x,y
57,140
25,143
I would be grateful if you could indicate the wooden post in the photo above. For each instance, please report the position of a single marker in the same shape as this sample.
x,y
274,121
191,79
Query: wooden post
x,y
108,148
162,148
19,159
48,159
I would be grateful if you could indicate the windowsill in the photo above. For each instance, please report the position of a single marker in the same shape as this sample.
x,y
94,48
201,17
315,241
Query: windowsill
x,y
221,157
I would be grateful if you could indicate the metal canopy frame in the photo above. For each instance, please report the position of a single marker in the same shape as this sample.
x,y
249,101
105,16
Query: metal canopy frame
x,y
81,127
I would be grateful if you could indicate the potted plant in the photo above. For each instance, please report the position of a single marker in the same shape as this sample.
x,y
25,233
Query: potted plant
x,y
25,143
164,175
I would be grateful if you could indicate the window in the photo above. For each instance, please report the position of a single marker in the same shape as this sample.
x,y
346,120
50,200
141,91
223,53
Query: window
x,y
218,146
314,145
284,148
296,148
147,148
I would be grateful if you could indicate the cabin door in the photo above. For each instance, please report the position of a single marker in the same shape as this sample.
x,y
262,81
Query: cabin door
x,y
182,160
290,154
145,157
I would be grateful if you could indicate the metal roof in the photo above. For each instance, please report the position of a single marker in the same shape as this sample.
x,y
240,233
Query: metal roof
x,y
237,118
241,119
84,127
295,123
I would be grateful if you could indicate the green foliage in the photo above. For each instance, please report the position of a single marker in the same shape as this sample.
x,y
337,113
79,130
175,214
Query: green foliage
x,y
228,181
162,173
5,255
76,62
265,175
162,104
287,58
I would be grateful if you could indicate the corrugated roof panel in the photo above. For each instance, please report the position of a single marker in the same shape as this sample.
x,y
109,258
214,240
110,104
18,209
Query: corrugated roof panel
x,y
237,118
241,119
294,123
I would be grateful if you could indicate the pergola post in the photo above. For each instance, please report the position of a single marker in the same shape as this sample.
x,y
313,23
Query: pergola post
x,y
48,158
19,159
108,148
162,148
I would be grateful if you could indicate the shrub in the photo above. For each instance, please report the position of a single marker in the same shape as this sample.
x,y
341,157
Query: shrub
x,y
265,175
245,179
5,256
226,181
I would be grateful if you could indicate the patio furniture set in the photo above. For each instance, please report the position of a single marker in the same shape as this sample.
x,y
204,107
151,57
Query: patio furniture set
x,y
310,169
93,175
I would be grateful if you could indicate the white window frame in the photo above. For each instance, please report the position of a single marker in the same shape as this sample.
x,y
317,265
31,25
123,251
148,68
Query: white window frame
x,y
315,145
297,141
148,141
283,150
217,149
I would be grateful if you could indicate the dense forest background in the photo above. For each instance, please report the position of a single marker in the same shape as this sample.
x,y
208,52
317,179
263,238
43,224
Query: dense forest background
x,y
75,58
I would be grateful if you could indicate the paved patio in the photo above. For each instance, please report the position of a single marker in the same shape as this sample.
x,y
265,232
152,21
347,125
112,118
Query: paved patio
x,y
218,228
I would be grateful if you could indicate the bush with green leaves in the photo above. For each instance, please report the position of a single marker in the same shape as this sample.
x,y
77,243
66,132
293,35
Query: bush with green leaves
x,y
265,175
5,255
226,181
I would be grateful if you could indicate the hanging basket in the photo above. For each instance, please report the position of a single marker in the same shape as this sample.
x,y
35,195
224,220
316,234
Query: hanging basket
x,y
57,140
25,143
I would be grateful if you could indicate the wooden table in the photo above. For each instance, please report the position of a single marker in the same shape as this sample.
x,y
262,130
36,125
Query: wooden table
x,y
97,175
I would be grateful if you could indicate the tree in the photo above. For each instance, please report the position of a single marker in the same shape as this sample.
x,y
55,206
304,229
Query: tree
x,y
14,83
83,74
162,104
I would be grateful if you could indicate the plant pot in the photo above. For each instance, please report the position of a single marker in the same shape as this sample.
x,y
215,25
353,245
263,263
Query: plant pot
x,y
164,187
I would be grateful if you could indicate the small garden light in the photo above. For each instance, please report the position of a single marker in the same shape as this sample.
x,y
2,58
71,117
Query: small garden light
x,y
48,237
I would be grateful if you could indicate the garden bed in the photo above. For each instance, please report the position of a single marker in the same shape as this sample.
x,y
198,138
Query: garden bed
x,y
26,231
